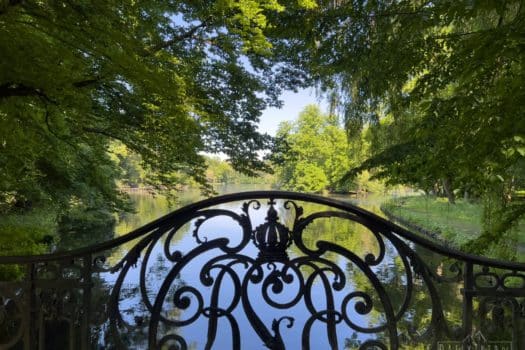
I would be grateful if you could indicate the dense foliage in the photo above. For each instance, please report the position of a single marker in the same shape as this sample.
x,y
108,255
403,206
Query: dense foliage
x,y
167,79
440,83
313,153
431,92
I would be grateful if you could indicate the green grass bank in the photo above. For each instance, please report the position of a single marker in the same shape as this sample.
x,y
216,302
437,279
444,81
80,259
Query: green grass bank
x,y
451,224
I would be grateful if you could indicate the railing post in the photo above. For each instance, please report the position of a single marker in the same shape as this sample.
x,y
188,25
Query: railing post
x,y
86,302
468,289
30,335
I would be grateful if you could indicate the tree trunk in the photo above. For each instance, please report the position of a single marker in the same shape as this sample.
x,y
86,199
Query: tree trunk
x,y
449,191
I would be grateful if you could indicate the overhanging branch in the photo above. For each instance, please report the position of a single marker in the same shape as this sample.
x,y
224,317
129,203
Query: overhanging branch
x,y
87,82
186,35
113,136
15,89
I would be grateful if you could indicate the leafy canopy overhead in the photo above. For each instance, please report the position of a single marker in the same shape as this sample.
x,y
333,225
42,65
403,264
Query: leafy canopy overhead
x,y
440,82
168,79
449,69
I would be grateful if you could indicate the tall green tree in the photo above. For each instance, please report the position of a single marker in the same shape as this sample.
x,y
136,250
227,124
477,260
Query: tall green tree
x,y
314,154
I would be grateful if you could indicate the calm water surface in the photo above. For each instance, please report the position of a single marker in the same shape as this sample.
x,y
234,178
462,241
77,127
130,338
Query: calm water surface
x,y
149,208
157,267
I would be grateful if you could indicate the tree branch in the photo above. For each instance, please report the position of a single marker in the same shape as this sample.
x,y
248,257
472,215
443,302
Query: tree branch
x,y
87,82
58,137
20,90
186,35
115,137
400,13
14,89
453,35
101,132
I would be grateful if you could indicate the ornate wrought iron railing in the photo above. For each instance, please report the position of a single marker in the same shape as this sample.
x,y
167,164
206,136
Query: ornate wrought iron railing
x,y
263,269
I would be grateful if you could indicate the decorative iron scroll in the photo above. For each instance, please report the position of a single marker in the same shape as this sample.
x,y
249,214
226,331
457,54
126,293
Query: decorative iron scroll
x,y
288,271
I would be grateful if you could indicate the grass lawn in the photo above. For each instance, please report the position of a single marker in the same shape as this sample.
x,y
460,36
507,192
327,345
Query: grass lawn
x,y
25,234
456,223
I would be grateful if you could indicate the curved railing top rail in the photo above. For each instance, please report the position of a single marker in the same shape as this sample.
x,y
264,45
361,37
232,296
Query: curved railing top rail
x,y
338,204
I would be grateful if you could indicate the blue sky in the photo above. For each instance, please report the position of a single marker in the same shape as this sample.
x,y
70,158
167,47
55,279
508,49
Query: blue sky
x,y
294,103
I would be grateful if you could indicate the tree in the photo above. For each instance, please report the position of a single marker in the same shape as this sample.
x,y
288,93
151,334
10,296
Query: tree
x,y
308,177
169,80
313,153
450,74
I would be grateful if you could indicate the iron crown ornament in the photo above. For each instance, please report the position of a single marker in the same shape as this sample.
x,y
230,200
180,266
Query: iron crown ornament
x,y
272,237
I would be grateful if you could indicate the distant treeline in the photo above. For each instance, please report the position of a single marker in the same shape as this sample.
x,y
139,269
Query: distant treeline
x,y
218,171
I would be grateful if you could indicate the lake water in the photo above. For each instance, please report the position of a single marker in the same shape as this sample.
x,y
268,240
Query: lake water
x,y
149,208
186,312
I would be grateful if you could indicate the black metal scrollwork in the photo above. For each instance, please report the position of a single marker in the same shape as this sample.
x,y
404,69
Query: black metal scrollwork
x,y
272,281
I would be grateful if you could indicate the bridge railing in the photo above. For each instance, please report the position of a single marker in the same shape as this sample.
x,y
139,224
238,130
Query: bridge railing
x,y
263,269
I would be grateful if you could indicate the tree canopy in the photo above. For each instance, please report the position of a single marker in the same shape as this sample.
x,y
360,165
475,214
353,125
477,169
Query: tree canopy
x,y
439,82
167,79
437,85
